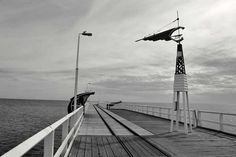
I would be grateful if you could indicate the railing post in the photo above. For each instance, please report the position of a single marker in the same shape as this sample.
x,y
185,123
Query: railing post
x,y
72,122
159,112
180,117
65,128
199,118
49,145
221,121
168,113
194,118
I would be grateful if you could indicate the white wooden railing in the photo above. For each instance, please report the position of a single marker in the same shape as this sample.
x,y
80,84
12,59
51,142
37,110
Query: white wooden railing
x,y
70,126
224,122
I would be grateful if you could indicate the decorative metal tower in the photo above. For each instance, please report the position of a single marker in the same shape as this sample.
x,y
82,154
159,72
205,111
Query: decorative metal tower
x,y
180,78
180,86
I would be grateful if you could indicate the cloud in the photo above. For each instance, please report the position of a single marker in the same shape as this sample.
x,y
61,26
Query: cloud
x,y
38,46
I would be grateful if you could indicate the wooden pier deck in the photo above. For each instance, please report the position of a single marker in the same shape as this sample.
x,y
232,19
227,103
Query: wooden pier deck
x,y
199,143
95,140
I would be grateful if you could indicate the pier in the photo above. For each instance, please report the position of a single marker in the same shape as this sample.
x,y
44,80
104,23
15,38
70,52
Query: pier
x,y
127,130
155,130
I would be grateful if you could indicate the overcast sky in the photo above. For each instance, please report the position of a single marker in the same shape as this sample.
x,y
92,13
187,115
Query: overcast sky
x,y
38,41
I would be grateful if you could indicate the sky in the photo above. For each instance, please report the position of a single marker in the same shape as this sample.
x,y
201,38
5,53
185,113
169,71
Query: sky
x,y
38,46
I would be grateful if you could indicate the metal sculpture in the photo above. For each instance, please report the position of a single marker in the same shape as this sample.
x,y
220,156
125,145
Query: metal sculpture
x,y
81,100
112,104
180,78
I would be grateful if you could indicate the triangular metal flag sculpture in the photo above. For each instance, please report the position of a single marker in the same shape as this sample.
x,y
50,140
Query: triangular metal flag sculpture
x,y
180,78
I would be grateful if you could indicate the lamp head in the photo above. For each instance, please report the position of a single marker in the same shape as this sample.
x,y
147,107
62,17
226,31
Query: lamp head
x,y
86,34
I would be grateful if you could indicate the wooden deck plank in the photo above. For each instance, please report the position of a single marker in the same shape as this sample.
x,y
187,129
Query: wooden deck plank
x,y
101,148
95,151
93,124
74,150
149,150
117,128
117,149
107,147
138,148
128,145
198,143
131,125
82,146
88,150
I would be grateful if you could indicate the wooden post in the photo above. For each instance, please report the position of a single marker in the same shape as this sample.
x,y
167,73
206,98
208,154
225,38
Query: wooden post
x,y
168,113
65,131
221,122
199,118
194,119
185,115
49,145
177,112
172,112
189,116
72,122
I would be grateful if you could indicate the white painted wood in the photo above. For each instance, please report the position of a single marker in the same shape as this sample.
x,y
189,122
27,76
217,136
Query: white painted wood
x,y
72,133
194,118
168,113
178,111
172,114
180,83
185,115
65,130
49,145
46,134
189,115
221,122
199,118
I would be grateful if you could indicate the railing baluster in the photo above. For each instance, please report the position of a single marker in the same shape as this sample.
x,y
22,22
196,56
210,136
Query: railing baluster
x,y
65,130
199,118
221,121
194,118
49,145
169,113
159,112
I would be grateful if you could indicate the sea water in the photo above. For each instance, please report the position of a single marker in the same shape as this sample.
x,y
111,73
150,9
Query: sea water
x,y
20,119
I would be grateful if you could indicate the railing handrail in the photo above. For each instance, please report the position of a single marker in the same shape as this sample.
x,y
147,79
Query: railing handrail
x,y
165,108
196,116
28,144
215,112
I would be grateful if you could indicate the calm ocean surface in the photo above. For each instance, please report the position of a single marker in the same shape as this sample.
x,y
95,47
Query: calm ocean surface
x,y
20,119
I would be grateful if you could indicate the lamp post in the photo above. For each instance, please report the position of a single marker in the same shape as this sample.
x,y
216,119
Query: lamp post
x,y
77,69
87,88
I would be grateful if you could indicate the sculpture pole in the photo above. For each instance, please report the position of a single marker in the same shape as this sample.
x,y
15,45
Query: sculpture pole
x,y
180,86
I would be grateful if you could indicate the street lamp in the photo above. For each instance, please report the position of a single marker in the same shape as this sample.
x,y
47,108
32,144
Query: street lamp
x,y
87,88
77,69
